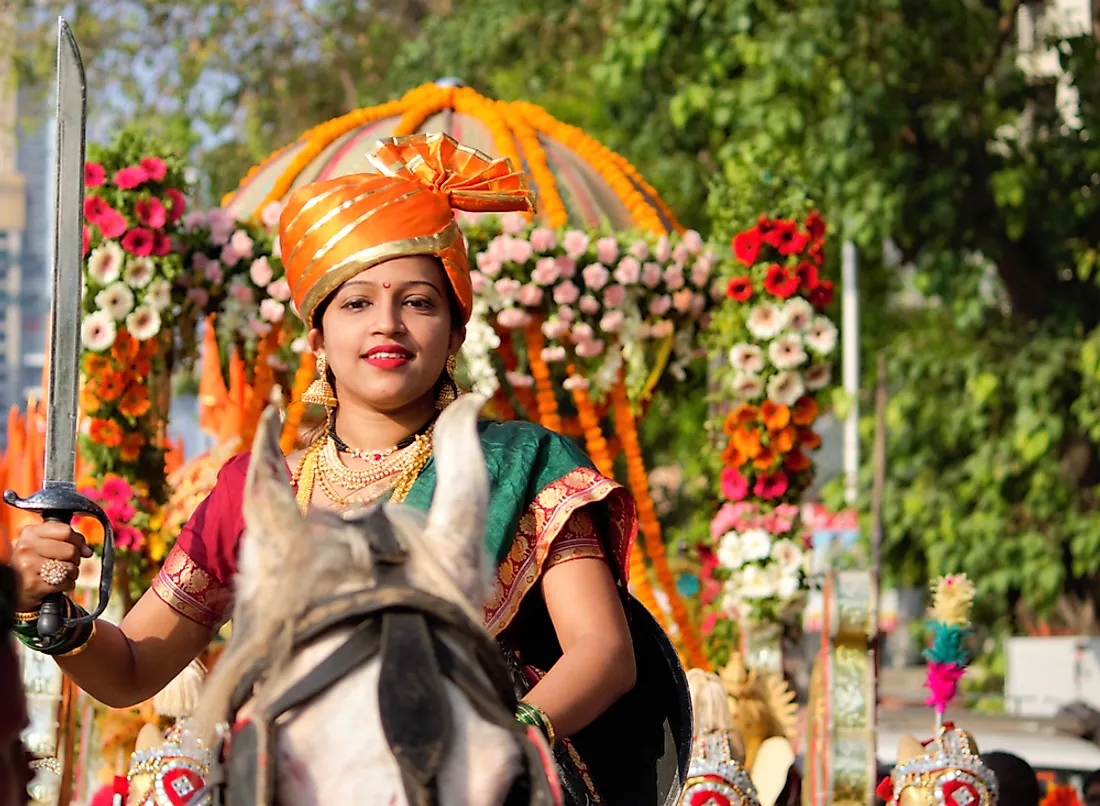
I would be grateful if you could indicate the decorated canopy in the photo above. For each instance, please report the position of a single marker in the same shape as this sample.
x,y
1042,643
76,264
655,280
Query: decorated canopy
x,y
579,181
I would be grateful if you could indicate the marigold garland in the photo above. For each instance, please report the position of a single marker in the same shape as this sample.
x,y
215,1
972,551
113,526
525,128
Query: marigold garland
x,y
627,429
589,421
263,383
414,116
467,101
547,403
507,353
553,208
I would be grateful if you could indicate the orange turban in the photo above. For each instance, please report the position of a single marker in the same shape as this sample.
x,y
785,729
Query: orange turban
x,y
330,231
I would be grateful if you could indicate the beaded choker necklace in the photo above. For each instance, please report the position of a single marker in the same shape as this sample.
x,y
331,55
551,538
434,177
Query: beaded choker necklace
x,y
376,456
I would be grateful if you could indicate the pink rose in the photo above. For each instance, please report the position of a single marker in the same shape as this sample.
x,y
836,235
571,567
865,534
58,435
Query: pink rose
x,y
194,219
567,266
700,272
478,283
681,300
651,275
680,253
269,216
230,256
607,250
662,329
698,303
589,305
154,167
693,241
507,288
272,310
198,296
565,314
130,178
241,243
519,381
640,250
575,382
575,243
489,265
498,247
543,239
112,224
280,290
199,261
520,251
260,271
582,333
674,277
546,271
242,292
566,293
612,322
663,250
596,276
660,305
552,355
259,327
554,330
513,318
530,295
213,273
512,223
628,271
590,349
614,296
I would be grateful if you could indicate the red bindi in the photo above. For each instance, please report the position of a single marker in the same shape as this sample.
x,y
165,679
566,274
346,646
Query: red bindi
x,y
385,285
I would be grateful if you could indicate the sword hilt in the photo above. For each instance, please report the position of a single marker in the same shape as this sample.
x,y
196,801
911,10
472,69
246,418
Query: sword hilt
x,y
59,502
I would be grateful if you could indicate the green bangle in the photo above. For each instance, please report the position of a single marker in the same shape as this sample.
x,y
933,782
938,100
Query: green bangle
x,y
66,641
535,717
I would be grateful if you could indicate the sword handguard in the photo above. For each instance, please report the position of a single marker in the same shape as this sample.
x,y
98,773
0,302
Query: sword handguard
x,y
60,501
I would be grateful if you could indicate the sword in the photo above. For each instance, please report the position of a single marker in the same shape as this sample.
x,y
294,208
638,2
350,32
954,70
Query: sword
x,y
58,500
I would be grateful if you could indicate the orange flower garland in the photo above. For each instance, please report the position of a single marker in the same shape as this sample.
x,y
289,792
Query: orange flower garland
x,y
627,429
540,371
507,354
468,102
416,115
553,208
263,382
1061,796
307,369
589,420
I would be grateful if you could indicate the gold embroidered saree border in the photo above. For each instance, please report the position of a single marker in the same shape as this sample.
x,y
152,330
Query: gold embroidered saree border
x,y
192,592
533,549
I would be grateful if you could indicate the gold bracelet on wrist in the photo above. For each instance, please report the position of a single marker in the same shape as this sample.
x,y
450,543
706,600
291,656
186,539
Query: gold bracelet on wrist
x,y
28,616
72,653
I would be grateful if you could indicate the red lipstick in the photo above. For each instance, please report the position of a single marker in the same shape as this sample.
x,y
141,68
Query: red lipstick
x,y
388,356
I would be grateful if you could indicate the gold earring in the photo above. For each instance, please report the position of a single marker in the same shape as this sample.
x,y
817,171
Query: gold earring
x,y
448,390
320,392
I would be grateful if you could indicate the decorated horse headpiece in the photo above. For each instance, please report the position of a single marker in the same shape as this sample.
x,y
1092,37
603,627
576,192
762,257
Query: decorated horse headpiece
x,y
946,771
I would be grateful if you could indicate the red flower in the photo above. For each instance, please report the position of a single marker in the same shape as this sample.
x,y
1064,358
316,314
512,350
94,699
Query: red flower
x,y
94,175
130,178
162,244
793,243
138,241
734,486
739,288
807,276
771,486
780,232
177,205
821,296
780,282
815,225
151,212
86,241
95,208
746,246
816,252
154,167
765,224
113,224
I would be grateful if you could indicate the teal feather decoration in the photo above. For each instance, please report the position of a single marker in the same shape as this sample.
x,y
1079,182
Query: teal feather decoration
x,y
948,644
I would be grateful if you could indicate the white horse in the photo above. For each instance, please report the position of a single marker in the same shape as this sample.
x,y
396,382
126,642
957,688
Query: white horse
x,y
331,610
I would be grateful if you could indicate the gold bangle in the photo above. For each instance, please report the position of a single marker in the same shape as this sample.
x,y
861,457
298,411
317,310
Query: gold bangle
x,y
546,724
72,653
28,616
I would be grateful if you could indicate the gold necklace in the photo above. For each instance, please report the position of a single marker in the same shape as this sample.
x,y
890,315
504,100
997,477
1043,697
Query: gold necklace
x,y
332,466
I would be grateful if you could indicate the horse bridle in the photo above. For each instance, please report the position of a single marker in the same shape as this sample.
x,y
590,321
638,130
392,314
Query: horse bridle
x,y
413,633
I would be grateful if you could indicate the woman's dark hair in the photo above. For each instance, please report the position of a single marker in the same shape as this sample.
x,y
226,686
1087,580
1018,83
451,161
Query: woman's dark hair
x,y
1016,779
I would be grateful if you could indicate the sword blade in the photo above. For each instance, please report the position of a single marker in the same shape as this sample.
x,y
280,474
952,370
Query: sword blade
x,y
68,263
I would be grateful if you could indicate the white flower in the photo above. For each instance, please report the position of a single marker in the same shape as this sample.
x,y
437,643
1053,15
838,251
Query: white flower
x,y
799,313
786,352
159,294
105,262
271,310
822,336
730,551
747,386
98,331
785,387
139,271
818,377
788,585
756,544
766,321
116,299
787,554
143,323
746,357
299,345
755,583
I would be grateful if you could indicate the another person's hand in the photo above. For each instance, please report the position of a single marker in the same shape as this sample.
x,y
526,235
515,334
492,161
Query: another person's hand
x,y
46,559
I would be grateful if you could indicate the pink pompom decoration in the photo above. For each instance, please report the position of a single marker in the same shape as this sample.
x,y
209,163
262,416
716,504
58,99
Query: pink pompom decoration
x,y
943,684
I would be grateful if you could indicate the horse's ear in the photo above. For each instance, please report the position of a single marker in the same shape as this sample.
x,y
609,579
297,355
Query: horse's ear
x,y
271,512
456,521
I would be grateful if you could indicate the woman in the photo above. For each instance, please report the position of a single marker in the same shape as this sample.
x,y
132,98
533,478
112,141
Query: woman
x,y
380,275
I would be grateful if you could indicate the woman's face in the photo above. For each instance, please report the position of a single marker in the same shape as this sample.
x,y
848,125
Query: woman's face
x,y
387,333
